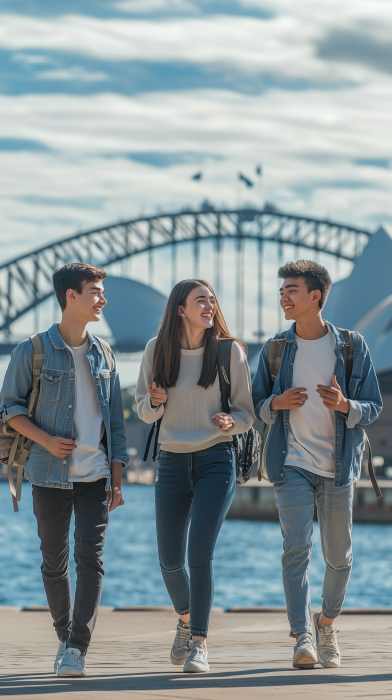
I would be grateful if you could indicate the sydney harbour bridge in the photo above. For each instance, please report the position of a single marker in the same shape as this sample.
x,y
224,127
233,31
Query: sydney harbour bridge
x,y
26,281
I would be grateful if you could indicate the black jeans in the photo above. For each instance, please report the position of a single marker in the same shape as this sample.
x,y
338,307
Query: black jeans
x,y
53,509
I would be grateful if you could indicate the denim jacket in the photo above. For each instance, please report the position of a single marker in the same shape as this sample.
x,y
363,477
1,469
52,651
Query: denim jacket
x,y
55,406
363,394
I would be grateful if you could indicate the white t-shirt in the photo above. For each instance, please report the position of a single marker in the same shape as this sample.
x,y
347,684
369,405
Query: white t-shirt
x,y
89,461
311,439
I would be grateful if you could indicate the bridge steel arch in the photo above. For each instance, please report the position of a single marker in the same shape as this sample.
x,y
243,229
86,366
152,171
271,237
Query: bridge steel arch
x,y
26,281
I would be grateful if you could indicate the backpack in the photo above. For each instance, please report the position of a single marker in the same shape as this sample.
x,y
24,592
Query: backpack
x,y
14,447
274,358
246,446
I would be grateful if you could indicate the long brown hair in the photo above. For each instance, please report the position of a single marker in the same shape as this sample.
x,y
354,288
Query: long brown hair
x,y
167,353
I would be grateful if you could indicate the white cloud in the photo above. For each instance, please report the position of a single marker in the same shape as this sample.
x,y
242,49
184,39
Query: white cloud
x,y
282,46
144,7
31,59
76,73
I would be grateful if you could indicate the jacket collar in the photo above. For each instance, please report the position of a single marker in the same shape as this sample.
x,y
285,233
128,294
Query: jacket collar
x,y
290,337
58,342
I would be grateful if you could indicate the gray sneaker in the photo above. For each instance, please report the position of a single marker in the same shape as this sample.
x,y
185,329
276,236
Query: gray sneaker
x,y
60,653
72,663
304,652
328,651
181,645
197,661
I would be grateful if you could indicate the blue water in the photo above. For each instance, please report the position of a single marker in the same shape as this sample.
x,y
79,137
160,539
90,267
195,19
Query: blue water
x,y
247,559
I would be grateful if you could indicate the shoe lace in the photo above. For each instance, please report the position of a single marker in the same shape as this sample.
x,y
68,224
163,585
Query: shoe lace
x,y
330,641
71,658
182,637
198,650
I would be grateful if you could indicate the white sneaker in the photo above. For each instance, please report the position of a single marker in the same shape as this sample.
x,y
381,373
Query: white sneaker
x,y
181,645
328,651
197,661
60,653
72,663
304,652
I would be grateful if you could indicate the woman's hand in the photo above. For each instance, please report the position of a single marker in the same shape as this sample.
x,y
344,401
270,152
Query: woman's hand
x,y
223,421
157,395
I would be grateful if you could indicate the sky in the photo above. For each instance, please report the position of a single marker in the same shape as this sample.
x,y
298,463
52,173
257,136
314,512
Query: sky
x,y
108,107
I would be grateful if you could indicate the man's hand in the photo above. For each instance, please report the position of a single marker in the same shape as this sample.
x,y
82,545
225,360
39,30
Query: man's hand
x,y
157,395
291,398
223,421
58,446
115,496
332,397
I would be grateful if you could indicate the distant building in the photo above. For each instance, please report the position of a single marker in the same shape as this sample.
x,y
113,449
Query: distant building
x,y
363,302
135,314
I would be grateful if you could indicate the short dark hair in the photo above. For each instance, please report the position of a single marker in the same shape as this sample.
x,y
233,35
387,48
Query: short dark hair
x,y
74,276
316,276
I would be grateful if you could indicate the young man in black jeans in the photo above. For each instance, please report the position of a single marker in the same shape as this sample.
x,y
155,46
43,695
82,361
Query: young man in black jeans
x,y
77,455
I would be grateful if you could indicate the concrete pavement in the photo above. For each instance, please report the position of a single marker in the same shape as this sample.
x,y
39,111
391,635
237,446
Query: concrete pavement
x,y
250,657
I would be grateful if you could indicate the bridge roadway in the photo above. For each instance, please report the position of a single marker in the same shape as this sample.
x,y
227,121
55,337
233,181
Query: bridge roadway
x,y
250,657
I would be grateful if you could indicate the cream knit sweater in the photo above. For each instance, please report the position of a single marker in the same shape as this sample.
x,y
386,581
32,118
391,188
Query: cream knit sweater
x,y
187,424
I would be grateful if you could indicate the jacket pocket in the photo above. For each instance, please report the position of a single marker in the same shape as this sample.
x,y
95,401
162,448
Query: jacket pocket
x,y
50,386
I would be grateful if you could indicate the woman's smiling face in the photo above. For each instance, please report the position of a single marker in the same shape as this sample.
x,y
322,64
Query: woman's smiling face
x,y
200,308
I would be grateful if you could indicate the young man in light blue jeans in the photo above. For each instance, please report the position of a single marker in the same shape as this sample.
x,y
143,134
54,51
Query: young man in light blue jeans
x,y
313,451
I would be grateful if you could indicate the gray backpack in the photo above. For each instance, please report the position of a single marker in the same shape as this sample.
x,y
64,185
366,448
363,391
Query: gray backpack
x,y
14,447
274,358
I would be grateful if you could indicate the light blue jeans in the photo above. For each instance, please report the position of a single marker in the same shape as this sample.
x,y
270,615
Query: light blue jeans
x,y
295,500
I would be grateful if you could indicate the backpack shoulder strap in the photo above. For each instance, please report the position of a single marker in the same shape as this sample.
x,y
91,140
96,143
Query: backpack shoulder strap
x,y
38,361
19,441
348,353
107,351
275,355
223,362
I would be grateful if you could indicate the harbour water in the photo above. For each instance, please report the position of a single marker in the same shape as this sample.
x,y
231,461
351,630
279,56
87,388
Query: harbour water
x,y
246,566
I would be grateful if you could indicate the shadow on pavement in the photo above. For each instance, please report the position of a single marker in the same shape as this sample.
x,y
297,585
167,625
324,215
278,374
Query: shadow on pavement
x,y
34,684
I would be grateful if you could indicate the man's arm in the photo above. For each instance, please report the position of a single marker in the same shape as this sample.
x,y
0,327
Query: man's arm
x,y
117,424
14,402
57,446
262,388
367,406
267,404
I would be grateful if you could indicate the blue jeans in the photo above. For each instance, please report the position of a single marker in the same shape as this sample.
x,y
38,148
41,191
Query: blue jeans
x,y
192,491
295,499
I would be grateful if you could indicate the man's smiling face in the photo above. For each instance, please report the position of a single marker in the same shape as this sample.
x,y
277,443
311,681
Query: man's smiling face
x,y
296,300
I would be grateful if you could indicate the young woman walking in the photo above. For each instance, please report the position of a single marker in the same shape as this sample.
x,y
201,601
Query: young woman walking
x,y
195,483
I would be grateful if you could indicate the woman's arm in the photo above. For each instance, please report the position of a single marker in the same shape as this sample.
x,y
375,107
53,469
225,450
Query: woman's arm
x,y
146,411
240,396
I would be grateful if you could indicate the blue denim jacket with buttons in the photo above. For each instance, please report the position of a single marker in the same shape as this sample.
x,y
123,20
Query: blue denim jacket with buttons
x,y
54,411
362,392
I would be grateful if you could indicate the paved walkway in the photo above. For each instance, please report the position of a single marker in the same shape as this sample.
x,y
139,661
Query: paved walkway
x,y
250,657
